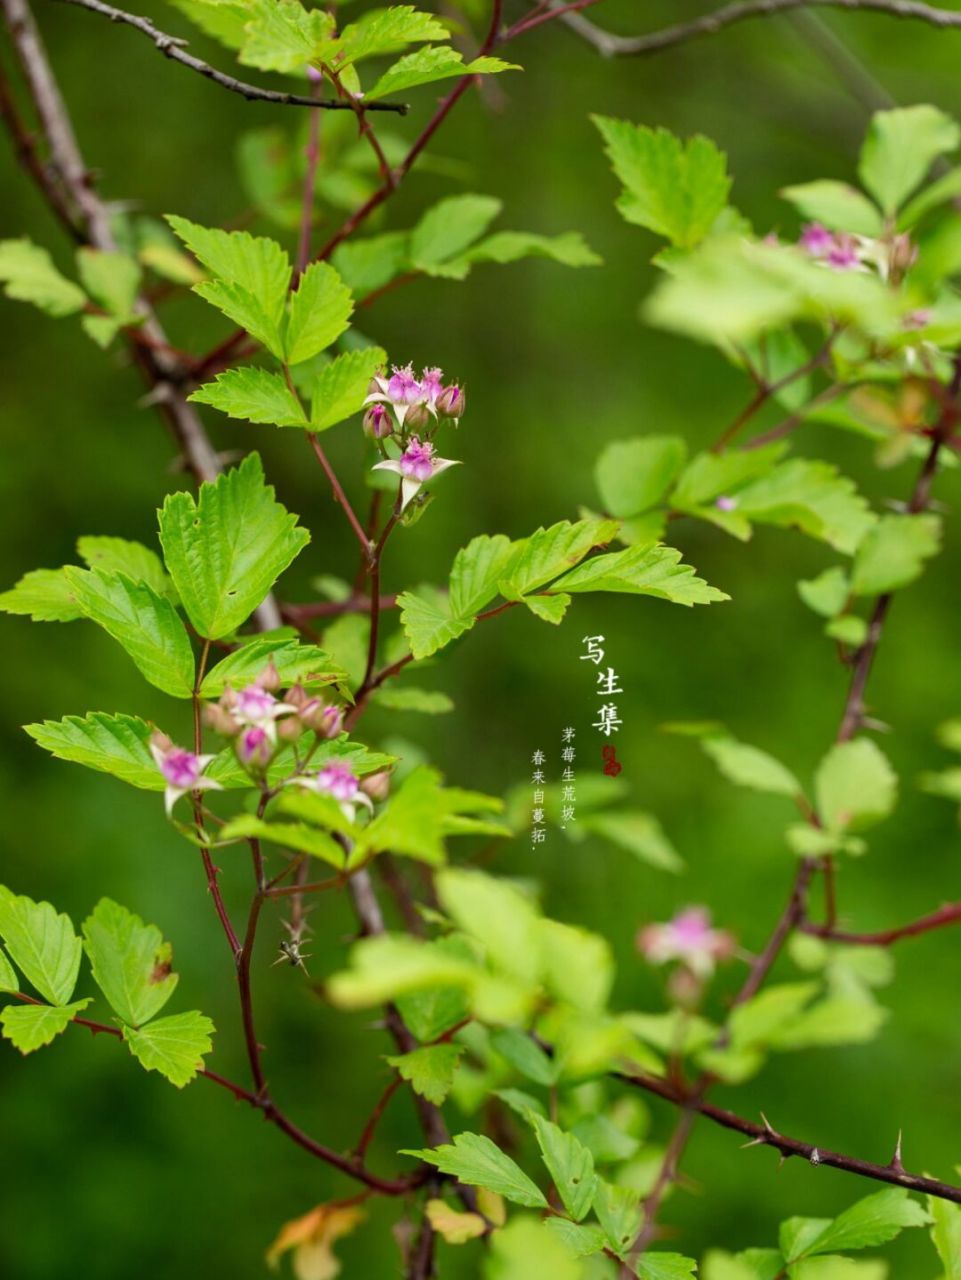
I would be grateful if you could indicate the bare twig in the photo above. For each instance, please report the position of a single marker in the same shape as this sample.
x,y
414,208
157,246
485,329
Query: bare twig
x,y
173,48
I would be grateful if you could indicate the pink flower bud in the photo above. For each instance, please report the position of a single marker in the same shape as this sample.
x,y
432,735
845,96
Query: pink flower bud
x,y
269,678
451,402
338,780
254,747
377,785
218,718
418,416
329,722
378,424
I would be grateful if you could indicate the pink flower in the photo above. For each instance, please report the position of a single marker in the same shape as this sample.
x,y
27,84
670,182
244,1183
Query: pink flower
x,y
254,747
254,707
415,466
816,240
687,938
182,770
431,385
409,395
836,249
403,387
336,779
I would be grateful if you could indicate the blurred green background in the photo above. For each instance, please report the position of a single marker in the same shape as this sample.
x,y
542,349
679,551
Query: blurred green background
x,y
106,1172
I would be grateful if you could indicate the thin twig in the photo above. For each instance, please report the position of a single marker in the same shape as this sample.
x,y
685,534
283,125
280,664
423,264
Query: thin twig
x,y
173,48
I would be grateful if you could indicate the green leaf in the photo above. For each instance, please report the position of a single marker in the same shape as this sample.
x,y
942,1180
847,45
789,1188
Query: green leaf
x,y
281,35
293,662
320,311
119,555
569,249
549,552
645,571
28,275
579,1240
748,766
855,786
812,496
42,944
386,30
341,386
634,475
31,1026
946,1235
412,824
111,279
528,1247
114,744
226,551
253,395
525,1056
872,1221
900,147
673,188
367,265
570,1165
619,1213
664,1266
130,962
893,552
430,1070
946,187
145,624
448,229
837,205
711,475
475,1160
497,914
432,1011
430,64
174,1046
428,623
252,278
827,593
431,702
289,835
8,978
475,573
637,832
43,595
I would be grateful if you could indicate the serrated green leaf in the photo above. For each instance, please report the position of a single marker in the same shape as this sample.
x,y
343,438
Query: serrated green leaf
x,y
872,1221
900,147
946,1235
304,662
281,35
225,551
827,593
145,624
253,395
430,1070
640,833
892,553
525,1056
431,702
475,573
174,1046
569,249
43,595
320,311
28,275
855,786
549,552
432,1011
120,555
367,265
812,496
748,766
42,944
579,1239
430,64
497,915
570,1165
387,30
112,280
618,1210
114,744
289,835
130,962
836,205
475,1160
676,189
8,978
642,570
449,228
31,1026
341,386
634,475
664,1266
428,623
548,608
412,824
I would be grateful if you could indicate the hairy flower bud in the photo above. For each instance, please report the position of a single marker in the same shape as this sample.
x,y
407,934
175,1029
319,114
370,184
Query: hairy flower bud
x,y
378,423
451,402
255,748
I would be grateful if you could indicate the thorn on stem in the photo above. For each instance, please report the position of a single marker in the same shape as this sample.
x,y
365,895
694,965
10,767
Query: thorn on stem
x,y
896,1158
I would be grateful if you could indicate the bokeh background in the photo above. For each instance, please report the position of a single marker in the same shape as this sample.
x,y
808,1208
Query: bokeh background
x,y
106,1172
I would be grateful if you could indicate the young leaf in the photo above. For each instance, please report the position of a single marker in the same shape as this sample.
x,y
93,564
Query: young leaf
x,y
814,497
748,766
320,311
900,147
115,744
43,595
367,265
174,1046
570,1165
633,475
448,229
31,1026
430,64
130,962
497,914
291,660
475,573
289,835
579,1240
525,1056
8,977
225,552
412,823
673,188
827,593
281,35
430,1012
855,786
872,1221
639,833
133,559
474,1159
836,205
619,1213
428,623
42,944
28,275
387,30
430,702
454,1226
569,249
252,276
642,570
145,624
549,552
253,395
341,386
430,1070
946,1235
893,552
112,280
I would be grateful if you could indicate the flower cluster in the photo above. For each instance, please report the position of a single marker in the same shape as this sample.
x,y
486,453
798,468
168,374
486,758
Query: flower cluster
x,y
689,939
890,256
408,410
338,780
